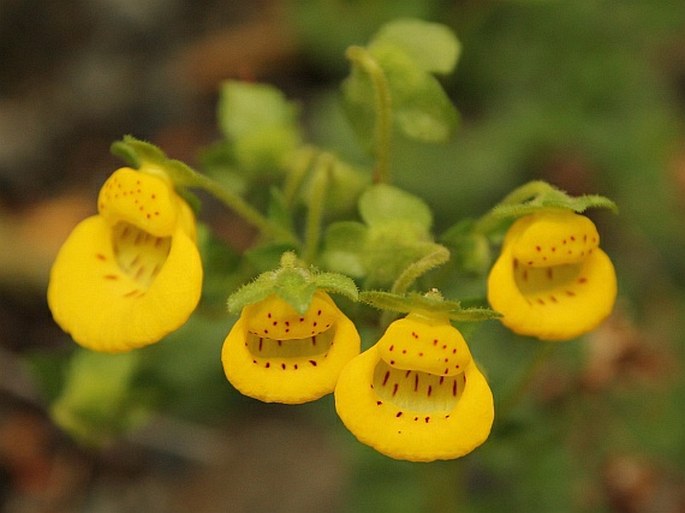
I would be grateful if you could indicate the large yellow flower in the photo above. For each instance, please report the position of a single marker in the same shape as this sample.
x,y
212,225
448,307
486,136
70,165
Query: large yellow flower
x,y
417,394
552,280
131,274
275,354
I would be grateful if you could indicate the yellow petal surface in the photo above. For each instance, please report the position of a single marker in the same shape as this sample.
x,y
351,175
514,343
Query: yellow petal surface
x,y
288,370
422,343
276,319
551,280
413,415
106,308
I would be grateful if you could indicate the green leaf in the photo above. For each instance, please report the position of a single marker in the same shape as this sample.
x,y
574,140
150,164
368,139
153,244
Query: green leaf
x,y
382,204
398,233
338,283
359,105
218,162
345,186
344,244
248,108
421,108
582,203
259,121
397,64
325,28
432,46
278,211
250,293
470,249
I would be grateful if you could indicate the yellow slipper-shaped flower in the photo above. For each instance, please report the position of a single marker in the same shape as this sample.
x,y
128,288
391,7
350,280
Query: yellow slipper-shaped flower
x,y
275,354
552,281
417,394
131,274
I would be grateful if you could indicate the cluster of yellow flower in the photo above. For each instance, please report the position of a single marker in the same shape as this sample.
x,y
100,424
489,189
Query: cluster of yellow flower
x,y
131,274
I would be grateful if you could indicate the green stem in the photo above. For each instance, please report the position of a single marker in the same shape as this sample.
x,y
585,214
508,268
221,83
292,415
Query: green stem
x,y
413,272
383,110
297,170
238,205
315,206
542,354
526,191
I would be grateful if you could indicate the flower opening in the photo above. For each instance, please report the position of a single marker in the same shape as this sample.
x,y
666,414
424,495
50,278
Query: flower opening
x,y
552,280
131,274
417,394
275,354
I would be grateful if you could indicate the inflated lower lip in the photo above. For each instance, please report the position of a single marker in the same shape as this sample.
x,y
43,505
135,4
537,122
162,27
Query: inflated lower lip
x,y
417,391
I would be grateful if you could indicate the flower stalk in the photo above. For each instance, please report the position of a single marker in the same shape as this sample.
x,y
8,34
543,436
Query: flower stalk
x,y
242,208
363,59
315,205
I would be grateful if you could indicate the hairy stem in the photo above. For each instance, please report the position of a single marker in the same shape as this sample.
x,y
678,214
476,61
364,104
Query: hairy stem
x,y
246,211
297,171
413,272
315,206
361,58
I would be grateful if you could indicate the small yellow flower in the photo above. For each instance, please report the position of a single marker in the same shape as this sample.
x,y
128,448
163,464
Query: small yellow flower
x,y
552,280
275,354
131,274
417,394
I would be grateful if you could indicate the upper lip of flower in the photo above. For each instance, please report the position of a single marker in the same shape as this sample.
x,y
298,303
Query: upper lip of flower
x,y
276,333
421,364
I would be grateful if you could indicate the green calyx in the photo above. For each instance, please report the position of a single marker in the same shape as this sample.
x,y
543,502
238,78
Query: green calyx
x,y
536,196
431,304
292,282
138,154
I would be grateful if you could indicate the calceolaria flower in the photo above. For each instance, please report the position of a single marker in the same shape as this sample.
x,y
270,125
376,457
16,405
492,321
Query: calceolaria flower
x,y
551,280
277,352
417,394
131,274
